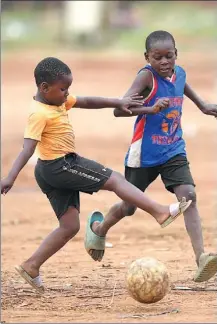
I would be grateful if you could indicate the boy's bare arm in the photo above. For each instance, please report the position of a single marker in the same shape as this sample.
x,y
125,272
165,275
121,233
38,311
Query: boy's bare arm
x,y
161,104
28,150
206,108
142,81
102,102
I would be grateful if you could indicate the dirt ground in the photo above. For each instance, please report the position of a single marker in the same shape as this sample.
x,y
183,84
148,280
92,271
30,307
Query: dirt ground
x,y
77,288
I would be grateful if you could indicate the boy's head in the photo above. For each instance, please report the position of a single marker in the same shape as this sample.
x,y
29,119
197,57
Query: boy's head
x,y
53,79
161,52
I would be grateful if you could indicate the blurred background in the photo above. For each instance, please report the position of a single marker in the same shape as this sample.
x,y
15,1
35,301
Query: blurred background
x,y
113,25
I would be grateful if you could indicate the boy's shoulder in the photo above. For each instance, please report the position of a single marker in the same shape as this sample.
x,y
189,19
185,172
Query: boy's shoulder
x,y
179,68
145,68
38,109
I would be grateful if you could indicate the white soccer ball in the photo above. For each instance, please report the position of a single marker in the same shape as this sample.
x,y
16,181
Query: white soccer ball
x,y
147,280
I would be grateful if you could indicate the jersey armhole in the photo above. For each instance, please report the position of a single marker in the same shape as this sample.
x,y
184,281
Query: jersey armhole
x,y
153,89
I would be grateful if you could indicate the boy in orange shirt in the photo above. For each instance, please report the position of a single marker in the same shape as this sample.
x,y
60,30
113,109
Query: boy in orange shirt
x,y
61,173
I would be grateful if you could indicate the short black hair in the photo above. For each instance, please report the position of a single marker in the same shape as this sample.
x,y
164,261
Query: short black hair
x,y
50,70
156,36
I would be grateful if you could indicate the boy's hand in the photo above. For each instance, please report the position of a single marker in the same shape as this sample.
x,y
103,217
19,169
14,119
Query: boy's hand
x,y
6,185
209,109
162,103
131,101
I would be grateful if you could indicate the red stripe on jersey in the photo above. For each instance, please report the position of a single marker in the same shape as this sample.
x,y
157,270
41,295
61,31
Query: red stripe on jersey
x,y
138,133
173,79
153,90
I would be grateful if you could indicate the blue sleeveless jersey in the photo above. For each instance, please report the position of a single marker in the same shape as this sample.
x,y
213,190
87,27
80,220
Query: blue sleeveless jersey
x,y
157,138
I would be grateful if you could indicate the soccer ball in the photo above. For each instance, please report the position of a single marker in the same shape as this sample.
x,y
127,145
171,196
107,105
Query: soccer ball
x,y
147,280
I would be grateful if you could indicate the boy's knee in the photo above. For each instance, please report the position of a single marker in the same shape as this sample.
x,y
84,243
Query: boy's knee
x,y
189,193
69,223
70,231
192,196
128,210
75,229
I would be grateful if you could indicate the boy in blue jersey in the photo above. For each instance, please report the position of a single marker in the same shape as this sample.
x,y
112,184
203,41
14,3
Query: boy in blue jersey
x,y
157,147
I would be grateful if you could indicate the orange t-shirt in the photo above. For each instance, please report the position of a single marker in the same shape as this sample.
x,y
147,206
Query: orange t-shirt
x,y
50,126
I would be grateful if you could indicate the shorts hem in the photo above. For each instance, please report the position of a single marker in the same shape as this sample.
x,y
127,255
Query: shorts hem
x,y
66,209
170,187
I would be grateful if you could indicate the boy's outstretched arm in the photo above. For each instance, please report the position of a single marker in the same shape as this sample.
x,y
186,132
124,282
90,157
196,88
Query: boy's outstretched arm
x,y
160,104
102,102
206,108
142,82
28,150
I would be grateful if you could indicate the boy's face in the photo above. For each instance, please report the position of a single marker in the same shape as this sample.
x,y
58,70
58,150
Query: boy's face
x,y
56,93
162,57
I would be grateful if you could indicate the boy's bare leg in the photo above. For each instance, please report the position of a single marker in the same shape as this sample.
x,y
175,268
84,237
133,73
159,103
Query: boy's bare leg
x,y
206,262
114,215
192,219
133,196
69,226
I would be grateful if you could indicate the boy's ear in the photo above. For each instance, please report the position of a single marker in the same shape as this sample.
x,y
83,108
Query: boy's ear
x,y
146,57
176,52
44,87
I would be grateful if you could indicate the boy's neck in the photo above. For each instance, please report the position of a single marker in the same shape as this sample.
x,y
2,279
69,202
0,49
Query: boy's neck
x,y
39,98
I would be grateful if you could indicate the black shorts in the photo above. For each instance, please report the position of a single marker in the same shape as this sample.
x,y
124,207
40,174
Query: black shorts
x,y
173,173
62,179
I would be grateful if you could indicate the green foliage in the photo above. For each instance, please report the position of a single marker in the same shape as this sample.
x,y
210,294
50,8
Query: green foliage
x,y
191,25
